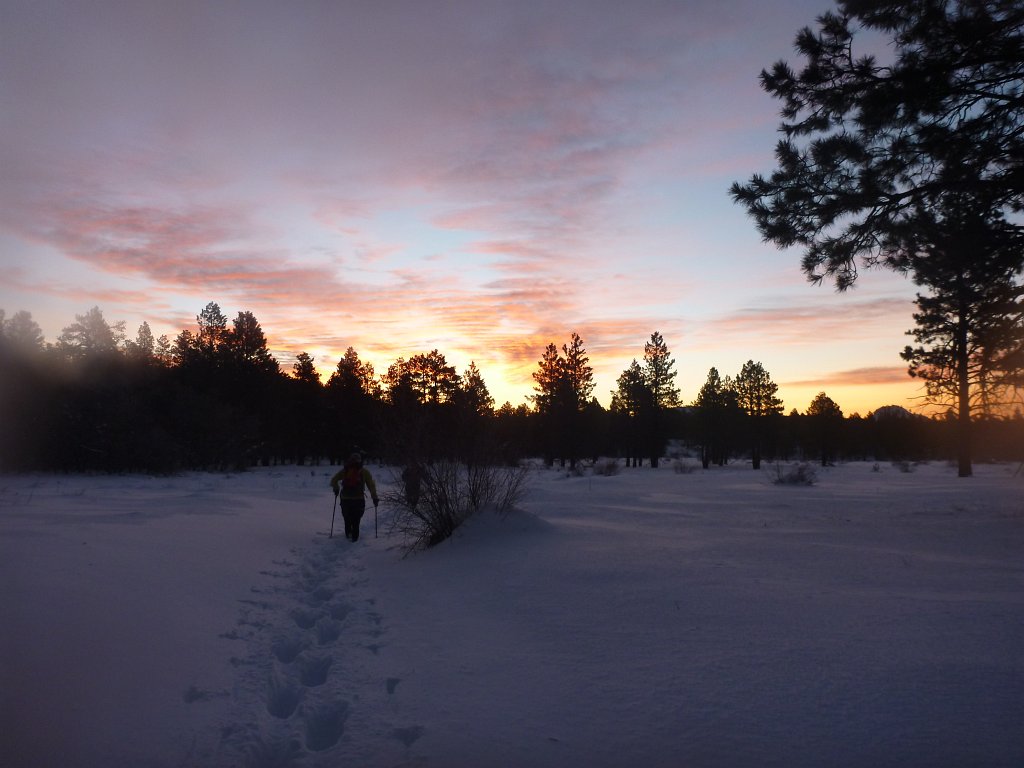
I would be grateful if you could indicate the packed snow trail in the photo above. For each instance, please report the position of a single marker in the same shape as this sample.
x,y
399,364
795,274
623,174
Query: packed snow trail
x,y
309,669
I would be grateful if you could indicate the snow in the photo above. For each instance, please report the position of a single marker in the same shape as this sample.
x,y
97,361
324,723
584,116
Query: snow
x,y
655,618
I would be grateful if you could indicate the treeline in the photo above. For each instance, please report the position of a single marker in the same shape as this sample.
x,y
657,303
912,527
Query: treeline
x,y
217,399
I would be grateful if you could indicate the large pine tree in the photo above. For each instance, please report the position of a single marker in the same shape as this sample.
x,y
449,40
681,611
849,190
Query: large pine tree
x,y
660,375
876,154
756,397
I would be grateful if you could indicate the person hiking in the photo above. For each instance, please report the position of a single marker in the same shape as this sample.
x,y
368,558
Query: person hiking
x,y
351,481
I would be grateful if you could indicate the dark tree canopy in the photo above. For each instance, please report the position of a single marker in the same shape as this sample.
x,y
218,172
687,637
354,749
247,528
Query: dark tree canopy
x,y
660,373
563,385
90,334
824,407
915,164
756,392
353,375
21,331
869,145
473,393
304,369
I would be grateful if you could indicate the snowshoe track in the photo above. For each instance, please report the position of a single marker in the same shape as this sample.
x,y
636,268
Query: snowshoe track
x,y
309,636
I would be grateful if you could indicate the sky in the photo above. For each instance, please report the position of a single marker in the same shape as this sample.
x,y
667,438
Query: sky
x,y
482,178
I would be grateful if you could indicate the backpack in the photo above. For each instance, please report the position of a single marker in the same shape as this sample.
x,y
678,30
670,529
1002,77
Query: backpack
x,y
352,481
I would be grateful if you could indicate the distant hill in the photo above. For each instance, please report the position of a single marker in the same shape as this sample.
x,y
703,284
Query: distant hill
x,y
894,412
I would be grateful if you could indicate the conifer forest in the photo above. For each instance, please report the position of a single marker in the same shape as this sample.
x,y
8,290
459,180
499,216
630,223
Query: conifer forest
x,y
215,398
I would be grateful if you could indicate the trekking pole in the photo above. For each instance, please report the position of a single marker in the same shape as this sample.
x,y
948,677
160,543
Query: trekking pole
x,y
333,511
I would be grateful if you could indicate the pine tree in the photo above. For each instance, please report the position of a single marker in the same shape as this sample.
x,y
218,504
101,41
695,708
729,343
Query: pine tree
x,y
755,396
304,369
717,409
659,375
563,385
826,419
577,373
756,392
353,375
246,344
659,372
144,345
870,146
547,378
882,163
474,394
90,334
632,411
22,332
431,378
213,328
968,320
353,395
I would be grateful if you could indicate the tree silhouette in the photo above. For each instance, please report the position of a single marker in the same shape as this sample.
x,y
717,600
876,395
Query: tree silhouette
x,y
563,385
97,402
884,142
826,419
304,369
431,378
304,427
632,407
21,331
755,396
474,396
246,344
717,412
213,328
89,335
143,348
353,397
659,375
473,418
879,160
353,375
968,321
548,401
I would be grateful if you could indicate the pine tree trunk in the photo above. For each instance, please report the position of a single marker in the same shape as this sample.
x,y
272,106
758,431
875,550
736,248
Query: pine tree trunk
x,y
963,425
963,438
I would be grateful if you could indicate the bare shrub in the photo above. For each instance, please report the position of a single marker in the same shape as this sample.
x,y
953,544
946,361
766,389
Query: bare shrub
x,y
579,469
509,488
448,494
607,467
681,467
798,474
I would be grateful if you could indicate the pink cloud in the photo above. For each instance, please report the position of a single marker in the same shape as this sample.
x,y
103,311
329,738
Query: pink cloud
x,y
811,322
857,377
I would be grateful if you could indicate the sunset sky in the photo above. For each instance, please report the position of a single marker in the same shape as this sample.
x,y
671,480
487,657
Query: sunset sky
x,y
481,177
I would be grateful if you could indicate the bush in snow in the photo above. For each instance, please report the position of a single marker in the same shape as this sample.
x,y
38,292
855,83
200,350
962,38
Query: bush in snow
x,y
799,474
681,467
444,494
607,467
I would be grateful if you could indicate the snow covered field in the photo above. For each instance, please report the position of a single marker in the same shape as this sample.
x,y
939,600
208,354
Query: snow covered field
x,y
645,619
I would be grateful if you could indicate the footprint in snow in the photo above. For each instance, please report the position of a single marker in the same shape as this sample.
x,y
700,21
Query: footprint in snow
x,y
313,669
327,631
287,648
325,724
283,695
305,619
408,736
